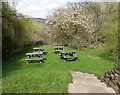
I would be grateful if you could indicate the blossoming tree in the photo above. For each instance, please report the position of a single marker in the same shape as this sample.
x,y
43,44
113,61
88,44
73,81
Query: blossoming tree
x,y
75,25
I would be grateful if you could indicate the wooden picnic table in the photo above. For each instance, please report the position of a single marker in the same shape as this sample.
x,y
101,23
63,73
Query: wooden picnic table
x,y
39,54
38,48
71,53
67,53
58,49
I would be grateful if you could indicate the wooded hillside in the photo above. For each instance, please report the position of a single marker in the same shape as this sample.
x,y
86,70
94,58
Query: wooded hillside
x,y
18,31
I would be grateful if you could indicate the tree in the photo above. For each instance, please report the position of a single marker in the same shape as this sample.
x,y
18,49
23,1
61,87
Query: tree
x,y
76,24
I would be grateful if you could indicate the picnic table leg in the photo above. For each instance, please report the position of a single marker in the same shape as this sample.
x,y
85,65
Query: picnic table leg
x,y
33,55
42,49
29,56
45,52
28,61
65,60
71,54
40,56
35,50
40,61
61,55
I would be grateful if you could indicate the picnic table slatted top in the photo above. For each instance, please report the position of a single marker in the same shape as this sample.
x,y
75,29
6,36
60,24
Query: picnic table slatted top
x,y
68,51
34,53
58,47
38,48
71,57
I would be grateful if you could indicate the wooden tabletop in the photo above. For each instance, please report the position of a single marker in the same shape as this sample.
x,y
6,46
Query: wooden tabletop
x,y
68,51
38,48
58,46
34,53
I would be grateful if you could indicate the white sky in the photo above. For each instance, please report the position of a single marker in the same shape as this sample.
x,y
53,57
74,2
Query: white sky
x,y
41,8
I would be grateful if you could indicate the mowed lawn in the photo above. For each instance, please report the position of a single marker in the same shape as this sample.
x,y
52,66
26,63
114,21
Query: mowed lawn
x,y
52,75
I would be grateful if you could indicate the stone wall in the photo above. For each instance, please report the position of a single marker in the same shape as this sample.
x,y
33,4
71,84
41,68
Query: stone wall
x,y
112,77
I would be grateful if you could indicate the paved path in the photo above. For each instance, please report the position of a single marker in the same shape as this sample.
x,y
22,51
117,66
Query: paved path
x,y
87,83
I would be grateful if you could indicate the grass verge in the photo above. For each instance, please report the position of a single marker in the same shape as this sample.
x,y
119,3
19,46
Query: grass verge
x,y
51,76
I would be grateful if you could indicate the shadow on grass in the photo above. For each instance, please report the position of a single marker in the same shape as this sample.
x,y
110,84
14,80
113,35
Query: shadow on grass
x,y
107,56
14,62
36,61
71,60
17,64
10,65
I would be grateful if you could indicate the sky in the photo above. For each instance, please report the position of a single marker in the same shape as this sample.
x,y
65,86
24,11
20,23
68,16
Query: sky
x,y
41,8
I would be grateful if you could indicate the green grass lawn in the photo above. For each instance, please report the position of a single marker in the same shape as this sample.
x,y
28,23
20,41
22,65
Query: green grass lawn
x,y
52,75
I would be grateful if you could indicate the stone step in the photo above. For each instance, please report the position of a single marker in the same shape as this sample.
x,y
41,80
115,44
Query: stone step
x,y
93,83
87,83
80,88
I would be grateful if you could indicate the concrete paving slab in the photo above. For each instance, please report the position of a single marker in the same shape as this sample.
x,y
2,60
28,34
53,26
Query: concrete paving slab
x,y
87,83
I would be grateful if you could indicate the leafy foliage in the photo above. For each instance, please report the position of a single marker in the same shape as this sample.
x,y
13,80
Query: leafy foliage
x,y
86,24
17,30
110,25
75,24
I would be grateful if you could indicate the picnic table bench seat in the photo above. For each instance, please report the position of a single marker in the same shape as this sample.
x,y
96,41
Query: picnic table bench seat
x,y
70,57
35,59
57,51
